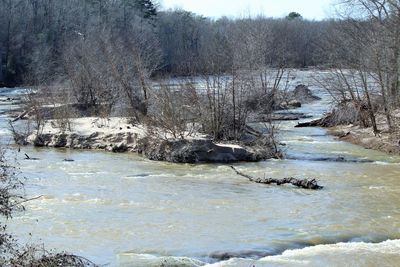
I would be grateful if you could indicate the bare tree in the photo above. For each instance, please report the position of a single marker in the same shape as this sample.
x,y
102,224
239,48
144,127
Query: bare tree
x,y
367,44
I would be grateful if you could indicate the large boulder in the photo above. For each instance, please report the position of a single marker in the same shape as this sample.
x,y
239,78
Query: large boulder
x,y
201,150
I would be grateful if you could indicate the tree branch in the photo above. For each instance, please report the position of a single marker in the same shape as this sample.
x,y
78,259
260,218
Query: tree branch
x,y
26,200
302,183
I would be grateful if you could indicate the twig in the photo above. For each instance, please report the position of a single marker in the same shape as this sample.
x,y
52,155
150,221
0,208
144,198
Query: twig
x,y
302,183
26,200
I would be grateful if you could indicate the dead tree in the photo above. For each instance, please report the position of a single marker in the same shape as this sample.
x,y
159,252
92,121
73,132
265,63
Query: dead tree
x,y
302,183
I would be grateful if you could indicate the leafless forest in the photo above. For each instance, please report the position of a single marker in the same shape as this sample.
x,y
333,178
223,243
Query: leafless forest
x,y
113,58
104,53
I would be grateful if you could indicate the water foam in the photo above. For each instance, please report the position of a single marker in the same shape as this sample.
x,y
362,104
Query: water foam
x,y
132,259
386,253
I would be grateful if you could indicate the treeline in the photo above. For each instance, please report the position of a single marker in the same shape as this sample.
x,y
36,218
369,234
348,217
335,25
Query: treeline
x,y
37,38
366,79
102,54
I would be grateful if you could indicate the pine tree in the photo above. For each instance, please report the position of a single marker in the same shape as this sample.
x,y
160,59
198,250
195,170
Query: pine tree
x,y
293,16
147,8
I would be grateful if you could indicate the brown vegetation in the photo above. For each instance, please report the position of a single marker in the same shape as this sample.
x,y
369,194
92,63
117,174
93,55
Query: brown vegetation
x,y
368,77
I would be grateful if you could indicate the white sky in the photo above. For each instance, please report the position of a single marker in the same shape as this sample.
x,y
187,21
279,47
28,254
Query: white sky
x,y
310,9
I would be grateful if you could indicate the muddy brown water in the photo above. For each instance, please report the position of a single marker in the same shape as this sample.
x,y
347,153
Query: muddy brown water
x,y
125,210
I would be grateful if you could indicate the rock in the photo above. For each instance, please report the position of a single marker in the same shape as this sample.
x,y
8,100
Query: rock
x,y
60,140
294,103
291,104
226,255
303,94
42,140
165,262
253,147
119,148
329,158
342,135
201,150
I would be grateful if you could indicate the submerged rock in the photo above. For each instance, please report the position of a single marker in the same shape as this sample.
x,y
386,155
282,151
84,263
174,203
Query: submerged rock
x,y
226,255
128,259
329,158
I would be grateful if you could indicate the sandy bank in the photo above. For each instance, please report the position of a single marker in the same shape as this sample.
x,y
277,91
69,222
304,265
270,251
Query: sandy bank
x,y
365,137
384,141
118,135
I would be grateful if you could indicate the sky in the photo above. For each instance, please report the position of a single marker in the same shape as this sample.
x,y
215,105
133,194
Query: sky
x,y
310,9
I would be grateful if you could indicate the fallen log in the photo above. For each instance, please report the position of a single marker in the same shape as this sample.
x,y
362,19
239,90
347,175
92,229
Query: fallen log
x,y
21,116
314,123
302,183
333,118
328,120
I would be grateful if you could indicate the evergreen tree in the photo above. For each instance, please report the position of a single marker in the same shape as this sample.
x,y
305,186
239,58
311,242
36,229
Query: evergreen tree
x,y
146,7
293,16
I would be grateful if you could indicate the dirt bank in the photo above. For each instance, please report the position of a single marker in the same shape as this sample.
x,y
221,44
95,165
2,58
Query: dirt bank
x,y
384,141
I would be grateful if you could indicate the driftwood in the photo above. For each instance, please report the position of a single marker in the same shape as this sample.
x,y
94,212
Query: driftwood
x,y
328,120
314,123
22,115
302,183
29,158
335,117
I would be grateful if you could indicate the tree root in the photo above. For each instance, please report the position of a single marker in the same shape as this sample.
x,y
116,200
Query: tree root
x,y
302,183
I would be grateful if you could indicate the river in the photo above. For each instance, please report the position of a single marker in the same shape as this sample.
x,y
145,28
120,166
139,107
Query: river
x,y
124,210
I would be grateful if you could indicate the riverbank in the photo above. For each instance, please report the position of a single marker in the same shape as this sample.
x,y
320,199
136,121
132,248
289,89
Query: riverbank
x,y
384,141
365,137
